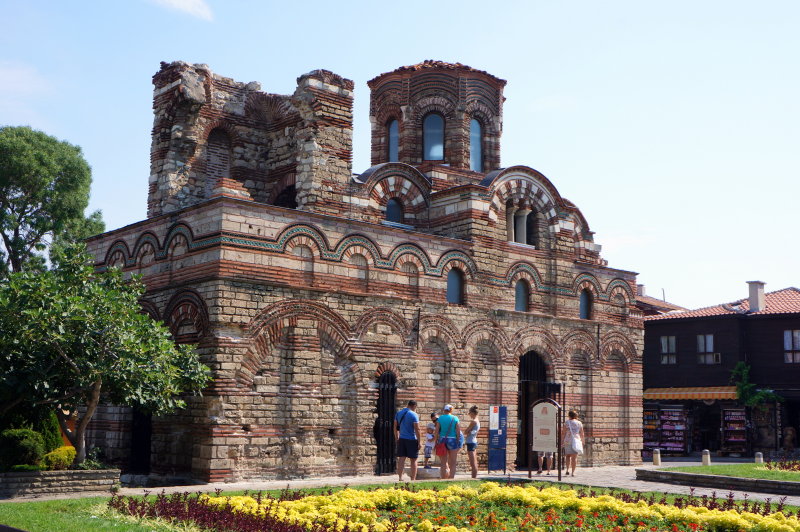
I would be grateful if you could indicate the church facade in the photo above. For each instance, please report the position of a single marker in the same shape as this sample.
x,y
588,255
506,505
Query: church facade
x,y
322,300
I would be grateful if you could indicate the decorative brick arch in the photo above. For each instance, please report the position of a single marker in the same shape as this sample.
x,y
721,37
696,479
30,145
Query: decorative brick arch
x,y
410,252
408,192
117,254
149,308
436,326
177,231
484,330
395,321
587,281
186,316
616,342
457,259
536,339
442,103
582,342
302,235
621,287
358,244
527,271
388,367
486,116
147,238
265,330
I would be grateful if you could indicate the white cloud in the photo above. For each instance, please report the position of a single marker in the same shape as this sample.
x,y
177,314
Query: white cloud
x,y
196,8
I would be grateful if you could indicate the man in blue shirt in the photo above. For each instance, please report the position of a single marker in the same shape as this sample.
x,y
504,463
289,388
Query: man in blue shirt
x,y
406,432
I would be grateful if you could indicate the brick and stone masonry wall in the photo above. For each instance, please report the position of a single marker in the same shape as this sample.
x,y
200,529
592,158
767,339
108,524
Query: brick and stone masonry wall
x,y
38,483
299,311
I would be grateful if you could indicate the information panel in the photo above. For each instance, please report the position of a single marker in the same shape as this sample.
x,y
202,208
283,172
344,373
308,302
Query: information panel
x,y
545,432
498,425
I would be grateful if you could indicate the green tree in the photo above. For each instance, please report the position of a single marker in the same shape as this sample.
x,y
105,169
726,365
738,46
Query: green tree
x,y
70,337
748,392
44,190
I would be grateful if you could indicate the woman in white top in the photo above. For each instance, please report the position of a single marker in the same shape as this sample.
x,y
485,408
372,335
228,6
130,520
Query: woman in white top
x,y
572,436
472,440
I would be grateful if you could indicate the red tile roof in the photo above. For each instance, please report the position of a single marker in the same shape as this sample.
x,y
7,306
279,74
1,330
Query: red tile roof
x,y
435,64
658,303
785,301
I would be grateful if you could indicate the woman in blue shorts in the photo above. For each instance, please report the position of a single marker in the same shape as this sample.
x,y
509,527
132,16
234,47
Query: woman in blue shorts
x,y
471,440
448,432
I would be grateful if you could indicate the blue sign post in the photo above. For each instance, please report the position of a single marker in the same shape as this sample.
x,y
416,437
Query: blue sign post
x,y
498,432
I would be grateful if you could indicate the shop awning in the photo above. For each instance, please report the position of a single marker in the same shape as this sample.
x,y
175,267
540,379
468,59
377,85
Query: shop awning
x,y
696,393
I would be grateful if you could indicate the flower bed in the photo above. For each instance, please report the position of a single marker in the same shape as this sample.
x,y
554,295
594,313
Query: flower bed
x,y
491,507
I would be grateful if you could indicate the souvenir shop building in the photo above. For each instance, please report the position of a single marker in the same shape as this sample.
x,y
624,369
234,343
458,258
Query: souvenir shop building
x,y
690,401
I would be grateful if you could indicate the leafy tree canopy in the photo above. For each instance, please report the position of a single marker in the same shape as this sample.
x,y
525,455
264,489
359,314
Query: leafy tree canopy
x,y
44,190
748,392
71,336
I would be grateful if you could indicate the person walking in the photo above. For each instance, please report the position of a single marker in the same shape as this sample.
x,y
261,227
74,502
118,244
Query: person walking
x,y
448,431
572,436
406,432
471,440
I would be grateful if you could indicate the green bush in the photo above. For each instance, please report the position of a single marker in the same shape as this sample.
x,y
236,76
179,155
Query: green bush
x,y
41,419
59,459
25,467
20,446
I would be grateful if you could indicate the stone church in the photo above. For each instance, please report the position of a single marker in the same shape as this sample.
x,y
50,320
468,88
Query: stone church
x,y
324,299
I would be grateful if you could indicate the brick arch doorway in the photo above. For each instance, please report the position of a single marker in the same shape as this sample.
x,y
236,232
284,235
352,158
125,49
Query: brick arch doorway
x,y
533,385
383,429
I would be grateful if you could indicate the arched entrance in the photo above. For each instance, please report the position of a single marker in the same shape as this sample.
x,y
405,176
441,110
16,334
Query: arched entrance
x,y
533,385
384,423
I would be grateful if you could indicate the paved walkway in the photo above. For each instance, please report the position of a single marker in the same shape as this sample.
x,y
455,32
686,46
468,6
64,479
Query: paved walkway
x,y
606,476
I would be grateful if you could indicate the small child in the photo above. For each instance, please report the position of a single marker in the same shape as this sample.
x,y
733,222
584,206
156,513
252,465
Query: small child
x,y
429,443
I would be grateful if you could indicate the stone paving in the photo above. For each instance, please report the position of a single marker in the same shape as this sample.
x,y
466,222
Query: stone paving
x,y
606,476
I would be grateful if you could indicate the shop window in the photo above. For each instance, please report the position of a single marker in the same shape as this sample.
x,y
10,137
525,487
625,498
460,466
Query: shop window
x,y
394,211
791,347
393,136
433,137
585,305
705,350
521,296
455,286
475,146
668,354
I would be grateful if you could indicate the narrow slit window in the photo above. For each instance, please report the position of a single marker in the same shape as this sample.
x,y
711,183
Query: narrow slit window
x,y
475,146
394,211
521,296
433,137
455,287
393,136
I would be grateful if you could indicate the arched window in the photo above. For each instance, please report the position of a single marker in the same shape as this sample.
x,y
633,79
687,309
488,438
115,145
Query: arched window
x,y
455,286
218,155
394,211
475,146
521,295
287,198
531,229
585,305
433,137
393,136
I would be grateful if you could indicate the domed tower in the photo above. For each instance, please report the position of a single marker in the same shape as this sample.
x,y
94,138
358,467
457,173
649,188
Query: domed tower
x,y
438,113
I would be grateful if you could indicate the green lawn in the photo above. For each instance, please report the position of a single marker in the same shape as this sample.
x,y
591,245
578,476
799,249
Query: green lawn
x,y
740,470
87,514
91,514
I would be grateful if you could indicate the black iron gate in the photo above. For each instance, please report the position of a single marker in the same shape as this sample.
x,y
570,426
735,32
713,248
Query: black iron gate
x,y
533,385
384,424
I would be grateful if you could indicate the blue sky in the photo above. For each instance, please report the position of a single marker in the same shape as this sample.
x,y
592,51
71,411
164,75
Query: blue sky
x,y
674,126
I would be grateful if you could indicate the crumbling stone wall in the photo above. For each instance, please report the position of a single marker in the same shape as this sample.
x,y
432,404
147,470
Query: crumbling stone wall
x,y
299,311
